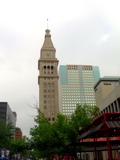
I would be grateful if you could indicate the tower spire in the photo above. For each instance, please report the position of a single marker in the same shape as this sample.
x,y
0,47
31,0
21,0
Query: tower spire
x,y
47,23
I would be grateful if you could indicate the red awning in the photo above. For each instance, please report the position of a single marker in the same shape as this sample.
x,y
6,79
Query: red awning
x,y
113,128
92,131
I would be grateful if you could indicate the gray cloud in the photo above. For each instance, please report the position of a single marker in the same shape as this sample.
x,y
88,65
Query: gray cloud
x,y
85,32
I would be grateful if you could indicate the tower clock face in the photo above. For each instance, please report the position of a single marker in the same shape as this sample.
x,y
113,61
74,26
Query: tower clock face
x,y
48,54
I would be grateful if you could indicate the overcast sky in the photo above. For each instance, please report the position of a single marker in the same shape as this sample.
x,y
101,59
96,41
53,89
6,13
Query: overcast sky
x,y
84,32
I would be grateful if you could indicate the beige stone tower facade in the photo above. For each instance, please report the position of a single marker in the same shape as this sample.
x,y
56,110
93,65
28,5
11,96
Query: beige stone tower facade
x,y
48,79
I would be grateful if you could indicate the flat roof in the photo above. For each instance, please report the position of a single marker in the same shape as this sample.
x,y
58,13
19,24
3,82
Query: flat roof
x,y
107,78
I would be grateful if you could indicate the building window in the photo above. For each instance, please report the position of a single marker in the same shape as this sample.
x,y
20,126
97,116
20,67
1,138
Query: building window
x,y
44,101
48,101
53,119
52,96
52,107
48,85
45,85
44,107
48,107
52,101
52,85
53,113
52,67
44,67
48,67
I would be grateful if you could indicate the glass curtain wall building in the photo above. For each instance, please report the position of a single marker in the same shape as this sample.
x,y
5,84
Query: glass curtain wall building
x,y
6,113
76,85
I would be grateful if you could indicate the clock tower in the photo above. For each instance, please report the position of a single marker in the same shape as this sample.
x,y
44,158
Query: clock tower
x,y
48,79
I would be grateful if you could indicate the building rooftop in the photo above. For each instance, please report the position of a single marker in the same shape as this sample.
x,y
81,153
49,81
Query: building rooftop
x,y
108,78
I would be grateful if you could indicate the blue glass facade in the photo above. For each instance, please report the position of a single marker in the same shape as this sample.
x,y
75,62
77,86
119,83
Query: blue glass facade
x,y
63,73
96,73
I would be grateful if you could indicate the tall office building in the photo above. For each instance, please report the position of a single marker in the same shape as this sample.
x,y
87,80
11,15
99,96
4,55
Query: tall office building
x,y
77,86
48,79
6,113
104,87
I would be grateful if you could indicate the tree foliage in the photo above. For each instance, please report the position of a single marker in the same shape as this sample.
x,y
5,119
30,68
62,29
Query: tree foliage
x,y
18,145
6,133
83,115
61,136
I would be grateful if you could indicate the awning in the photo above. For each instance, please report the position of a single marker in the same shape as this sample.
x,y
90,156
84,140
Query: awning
x,y
113,124
92,131
101,148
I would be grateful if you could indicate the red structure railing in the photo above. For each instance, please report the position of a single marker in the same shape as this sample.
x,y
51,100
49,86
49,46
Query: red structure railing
x,y
104,131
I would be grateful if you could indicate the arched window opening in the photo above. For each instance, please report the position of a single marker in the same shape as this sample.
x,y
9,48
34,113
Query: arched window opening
x,y
48,85
52,67
53,119
48,67
52,85
45,85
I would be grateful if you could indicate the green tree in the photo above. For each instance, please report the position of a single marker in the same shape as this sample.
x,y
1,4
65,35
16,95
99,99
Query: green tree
x,y
60,130
49,139
42,136
6,133
61,136
19,146
82,117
